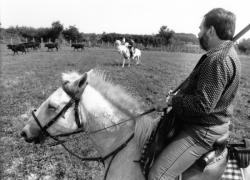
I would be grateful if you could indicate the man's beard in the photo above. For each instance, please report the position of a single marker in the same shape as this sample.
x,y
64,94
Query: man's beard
x,y
204,42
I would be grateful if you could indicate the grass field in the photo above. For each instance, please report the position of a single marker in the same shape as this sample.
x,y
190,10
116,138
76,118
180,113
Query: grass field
x,y
27,80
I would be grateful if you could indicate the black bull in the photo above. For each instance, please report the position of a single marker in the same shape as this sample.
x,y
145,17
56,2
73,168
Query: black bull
x,y
51,46
77,46
17,47
33,45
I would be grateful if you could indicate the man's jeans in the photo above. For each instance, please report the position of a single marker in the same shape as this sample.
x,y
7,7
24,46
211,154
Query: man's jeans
x,y
184,150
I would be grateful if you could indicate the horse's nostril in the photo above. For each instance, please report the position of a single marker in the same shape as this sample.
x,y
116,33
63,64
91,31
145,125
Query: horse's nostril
x,y
23,134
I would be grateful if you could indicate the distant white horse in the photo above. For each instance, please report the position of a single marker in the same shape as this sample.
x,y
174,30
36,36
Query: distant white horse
x,y
90,102
124,51
136,55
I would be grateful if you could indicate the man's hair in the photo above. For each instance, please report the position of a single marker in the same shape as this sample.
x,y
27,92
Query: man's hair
x,y
223,22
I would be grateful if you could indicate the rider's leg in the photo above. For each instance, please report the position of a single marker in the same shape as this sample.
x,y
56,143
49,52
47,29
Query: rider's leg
x,y
185,149
130,51
177,157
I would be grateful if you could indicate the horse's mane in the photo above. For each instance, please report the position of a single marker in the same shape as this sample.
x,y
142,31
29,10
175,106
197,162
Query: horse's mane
x,y
120,98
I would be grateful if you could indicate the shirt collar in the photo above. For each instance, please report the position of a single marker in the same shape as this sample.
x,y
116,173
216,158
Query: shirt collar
x,y
218,48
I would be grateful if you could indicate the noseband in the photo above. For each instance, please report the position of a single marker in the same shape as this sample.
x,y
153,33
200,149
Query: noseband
x,y
74,100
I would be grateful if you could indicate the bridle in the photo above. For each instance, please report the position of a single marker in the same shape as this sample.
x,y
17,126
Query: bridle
x,y
74,100
52,121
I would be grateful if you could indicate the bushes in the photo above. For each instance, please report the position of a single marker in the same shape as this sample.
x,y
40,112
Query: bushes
x,y
165,37
244,46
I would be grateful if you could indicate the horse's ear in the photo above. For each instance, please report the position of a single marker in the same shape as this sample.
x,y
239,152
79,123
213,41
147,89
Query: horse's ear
x,y
82,80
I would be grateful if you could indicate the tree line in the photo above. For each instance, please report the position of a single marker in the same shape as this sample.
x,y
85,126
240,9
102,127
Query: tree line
x,y
164,37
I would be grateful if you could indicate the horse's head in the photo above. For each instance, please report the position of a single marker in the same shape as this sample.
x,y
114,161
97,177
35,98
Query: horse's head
x,y
57,114
93,103
118,43
126,44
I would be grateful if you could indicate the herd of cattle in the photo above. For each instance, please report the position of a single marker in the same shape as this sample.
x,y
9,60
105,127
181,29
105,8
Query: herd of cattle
x,y
25,47
126,50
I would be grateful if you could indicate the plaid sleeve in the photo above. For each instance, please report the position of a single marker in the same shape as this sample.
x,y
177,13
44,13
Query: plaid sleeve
x,y
213,77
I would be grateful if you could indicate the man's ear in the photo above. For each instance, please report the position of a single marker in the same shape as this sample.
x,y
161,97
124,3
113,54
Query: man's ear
x,y
212,31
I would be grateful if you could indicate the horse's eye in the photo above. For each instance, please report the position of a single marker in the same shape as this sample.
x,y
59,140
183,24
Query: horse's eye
x,y
52,107
65,82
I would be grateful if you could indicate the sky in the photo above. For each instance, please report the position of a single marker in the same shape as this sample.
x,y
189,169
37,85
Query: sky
x,y
120,16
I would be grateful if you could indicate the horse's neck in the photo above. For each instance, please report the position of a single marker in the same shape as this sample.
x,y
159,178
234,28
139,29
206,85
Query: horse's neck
x,y
122,48
122,166
106,142
100,115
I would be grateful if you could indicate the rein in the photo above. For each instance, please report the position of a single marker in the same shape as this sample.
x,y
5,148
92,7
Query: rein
x,y
99,130
99,158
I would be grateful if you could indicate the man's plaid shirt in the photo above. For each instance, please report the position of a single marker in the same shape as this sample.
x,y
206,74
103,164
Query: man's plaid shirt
x,y
206,96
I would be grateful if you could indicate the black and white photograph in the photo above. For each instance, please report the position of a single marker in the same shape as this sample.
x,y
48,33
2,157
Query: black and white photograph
x,y
124,90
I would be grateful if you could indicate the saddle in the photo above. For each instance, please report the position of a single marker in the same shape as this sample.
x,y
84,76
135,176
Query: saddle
x,y
161,136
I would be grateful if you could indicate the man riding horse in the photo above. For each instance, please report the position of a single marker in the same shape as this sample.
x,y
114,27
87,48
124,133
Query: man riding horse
x,y
130,45
203,105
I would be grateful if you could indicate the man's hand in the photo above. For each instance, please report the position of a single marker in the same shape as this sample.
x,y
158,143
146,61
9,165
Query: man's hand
x,y
170,96
163,106
169,100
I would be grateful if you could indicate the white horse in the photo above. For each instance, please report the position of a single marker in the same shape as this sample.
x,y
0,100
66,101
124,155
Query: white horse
x,y
103,105
136,55
124,51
